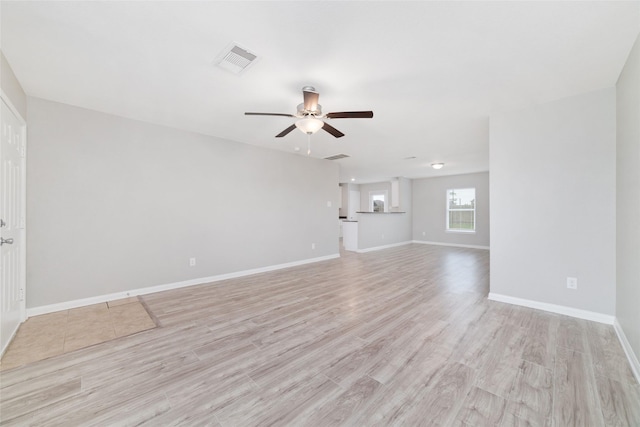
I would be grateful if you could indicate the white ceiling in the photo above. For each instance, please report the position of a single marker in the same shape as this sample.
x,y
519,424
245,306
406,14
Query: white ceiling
x,y
432,72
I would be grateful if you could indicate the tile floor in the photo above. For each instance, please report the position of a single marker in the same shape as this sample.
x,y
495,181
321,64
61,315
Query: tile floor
x,y
48,335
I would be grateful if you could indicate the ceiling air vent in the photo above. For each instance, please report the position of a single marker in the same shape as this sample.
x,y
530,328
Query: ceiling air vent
x,y
336,157
235,59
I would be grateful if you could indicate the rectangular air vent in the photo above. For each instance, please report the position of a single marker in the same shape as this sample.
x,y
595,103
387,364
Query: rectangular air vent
x,y
235,59
336,157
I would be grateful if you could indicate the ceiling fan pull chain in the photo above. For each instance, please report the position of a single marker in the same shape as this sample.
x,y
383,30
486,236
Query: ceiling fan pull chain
x,y
308,144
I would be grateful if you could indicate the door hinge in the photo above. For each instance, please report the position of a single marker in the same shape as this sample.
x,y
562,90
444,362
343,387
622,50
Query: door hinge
x,y
21,294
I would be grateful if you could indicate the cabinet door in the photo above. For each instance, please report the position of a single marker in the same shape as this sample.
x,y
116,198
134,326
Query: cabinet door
x,y
395,194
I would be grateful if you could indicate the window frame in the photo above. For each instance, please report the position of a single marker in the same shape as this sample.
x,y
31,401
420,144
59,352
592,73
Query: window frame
x,y
384,193
448,229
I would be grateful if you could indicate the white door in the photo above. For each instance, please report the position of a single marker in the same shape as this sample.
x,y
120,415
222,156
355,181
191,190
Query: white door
x,y
12,230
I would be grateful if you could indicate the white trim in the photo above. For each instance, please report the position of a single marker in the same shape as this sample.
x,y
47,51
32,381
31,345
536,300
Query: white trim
x,y
168,286
631,356
13,335
12,107
377,248
553,308
457,245
456,230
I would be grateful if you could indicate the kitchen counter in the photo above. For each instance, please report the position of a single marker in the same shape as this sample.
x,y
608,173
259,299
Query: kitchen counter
x,y
380,213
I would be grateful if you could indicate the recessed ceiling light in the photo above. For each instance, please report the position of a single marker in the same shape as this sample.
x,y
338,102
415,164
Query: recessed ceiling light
x,y
353,179
437,165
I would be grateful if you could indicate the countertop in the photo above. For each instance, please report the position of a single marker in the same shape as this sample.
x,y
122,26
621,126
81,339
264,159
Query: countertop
x,y
380,213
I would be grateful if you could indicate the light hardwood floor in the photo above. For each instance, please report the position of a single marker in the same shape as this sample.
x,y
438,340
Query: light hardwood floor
x,y
404,336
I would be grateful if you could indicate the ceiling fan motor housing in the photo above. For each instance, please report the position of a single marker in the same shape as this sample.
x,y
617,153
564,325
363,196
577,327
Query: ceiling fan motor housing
x,y
302,112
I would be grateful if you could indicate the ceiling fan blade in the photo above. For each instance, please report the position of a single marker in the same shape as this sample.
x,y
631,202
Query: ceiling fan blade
x,y
286,131
333,131
310,99
351,115
269,114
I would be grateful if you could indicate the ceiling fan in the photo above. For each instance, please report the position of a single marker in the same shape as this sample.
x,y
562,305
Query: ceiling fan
x,y
309,115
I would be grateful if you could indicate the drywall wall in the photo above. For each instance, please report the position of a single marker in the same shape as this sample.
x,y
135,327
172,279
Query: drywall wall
x,y
553,186
376,230
628,199
116,204
12,88
365,189
344,197
430,209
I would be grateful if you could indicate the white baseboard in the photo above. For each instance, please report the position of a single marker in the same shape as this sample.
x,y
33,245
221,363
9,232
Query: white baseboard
x,y
631,356
553,308
377,248
34,311
424,242
6,346
581,314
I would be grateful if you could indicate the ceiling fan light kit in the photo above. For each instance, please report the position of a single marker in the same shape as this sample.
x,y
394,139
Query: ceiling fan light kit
x,y
437,165
309,125
311,118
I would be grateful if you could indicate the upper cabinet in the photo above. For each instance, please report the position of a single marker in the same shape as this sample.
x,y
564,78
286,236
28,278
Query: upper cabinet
x,y
395,193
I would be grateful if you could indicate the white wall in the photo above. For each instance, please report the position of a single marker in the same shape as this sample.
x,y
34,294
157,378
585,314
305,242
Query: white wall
x,y
382,229
553,197
12,88
430,209
116,204
628,199
365,189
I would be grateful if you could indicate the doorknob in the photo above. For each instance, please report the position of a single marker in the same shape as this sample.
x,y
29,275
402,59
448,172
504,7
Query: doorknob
x,y
2,223
7,241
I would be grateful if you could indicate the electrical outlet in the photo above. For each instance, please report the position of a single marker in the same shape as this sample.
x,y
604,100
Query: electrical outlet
x,y
313,246
329,203
192,262
383,236
424,234
572,283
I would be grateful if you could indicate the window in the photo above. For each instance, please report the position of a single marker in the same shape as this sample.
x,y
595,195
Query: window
x,y
378,201
461,210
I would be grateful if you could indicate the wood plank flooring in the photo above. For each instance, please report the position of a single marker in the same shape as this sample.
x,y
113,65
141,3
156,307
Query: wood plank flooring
x,y
403,336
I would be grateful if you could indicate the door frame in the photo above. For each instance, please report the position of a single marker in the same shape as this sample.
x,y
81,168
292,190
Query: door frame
x,y
23,230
